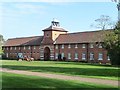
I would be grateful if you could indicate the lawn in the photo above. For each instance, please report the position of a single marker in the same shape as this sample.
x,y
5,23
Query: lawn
x,y
67,68
10,80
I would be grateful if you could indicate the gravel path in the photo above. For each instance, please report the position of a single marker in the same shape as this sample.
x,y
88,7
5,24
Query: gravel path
x,y
64,77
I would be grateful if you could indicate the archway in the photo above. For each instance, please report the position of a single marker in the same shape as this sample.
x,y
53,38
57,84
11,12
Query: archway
x,y
46,53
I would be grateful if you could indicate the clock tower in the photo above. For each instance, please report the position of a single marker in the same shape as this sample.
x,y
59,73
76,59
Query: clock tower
x,y
50,35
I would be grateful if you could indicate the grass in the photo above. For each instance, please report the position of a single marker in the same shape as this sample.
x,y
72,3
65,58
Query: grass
x,y
67,68
10,80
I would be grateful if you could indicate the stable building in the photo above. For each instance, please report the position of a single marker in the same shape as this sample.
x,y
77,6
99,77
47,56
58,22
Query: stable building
x,y
58,44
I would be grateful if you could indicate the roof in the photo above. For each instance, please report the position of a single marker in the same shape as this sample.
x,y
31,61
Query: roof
x,y
82,37
55,29
35,40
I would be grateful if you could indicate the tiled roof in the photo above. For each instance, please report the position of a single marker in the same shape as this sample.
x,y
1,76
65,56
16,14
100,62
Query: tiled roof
x,y
55,29
82,37
35,40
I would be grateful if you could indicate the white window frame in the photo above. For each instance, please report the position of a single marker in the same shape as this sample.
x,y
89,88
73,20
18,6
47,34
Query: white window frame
x,y
29,47
76,55
76,45
69,46
10,48
7,55
91,45
83,45
69,55
34,47
56,55
15,48
62,55
62,46
19,48
108,58
7,48
24,47
100,56
83,56
91,56
56,46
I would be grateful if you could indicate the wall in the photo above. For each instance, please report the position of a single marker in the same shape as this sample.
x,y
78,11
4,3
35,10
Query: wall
x,y
96,50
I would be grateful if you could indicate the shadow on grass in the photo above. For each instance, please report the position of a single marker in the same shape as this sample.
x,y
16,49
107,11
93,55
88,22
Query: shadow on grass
x,y
72,71
23,81
80,63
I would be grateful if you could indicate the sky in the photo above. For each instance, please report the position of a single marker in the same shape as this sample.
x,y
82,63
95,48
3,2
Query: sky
x,y
24,19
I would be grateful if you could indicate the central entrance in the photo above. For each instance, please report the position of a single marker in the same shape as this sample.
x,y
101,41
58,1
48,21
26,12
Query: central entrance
x,y
47,53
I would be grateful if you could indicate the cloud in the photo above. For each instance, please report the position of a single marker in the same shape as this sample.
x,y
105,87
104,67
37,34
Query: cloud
x,y
21,9
29,8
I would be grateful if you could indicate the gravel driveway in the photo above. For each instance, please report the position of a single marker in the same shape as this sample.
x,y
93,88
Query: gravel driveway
x,y
64,77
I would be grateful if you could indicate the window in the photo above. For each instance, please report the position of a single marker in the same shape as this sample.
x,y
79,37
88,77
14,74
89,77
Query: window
x,y
56,46
76,46
100,57
91,56
83,45
62,55
91,45
69,56
56,56
28,47
108,58
15,48
34,47
24,47
62,46
7,48
47,34
76,55
19,48
83,56
69,46
100,46
10,48
7,55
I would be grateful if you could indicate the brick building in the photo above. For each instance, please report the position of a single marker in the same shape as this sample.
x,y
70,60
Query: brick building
x,y
57,43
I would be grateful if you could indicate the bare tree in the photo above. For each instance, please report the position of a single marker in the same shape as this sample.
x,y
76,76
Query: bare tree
x,y
104,22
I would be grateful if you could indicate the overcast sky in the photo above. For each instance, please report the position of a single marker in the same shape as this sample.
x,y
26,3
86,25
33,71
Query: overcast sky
x,y
24,19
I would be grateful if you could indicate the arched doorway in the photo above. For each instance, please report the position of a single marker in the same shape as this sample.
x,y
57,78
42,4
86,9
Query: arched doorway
x,y
46,53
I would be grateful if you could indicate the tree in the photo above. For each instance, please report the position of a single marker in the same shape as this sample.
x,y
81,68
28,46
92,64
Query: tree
x,y
1,43
112,44
104,22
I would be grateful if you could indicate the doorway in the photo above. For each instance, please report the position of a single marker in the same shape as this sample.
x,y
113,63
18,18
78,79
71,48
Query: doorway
x,y
46,53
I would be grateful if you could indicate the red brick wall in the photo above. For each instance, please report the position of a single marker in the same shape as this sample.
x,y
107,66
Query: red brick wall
x,y
35,53
80,50
12,53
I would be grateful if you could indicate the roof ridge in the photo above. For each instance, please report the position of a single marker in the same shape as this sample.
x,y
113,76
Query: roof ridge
x,y
24,37
89,31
